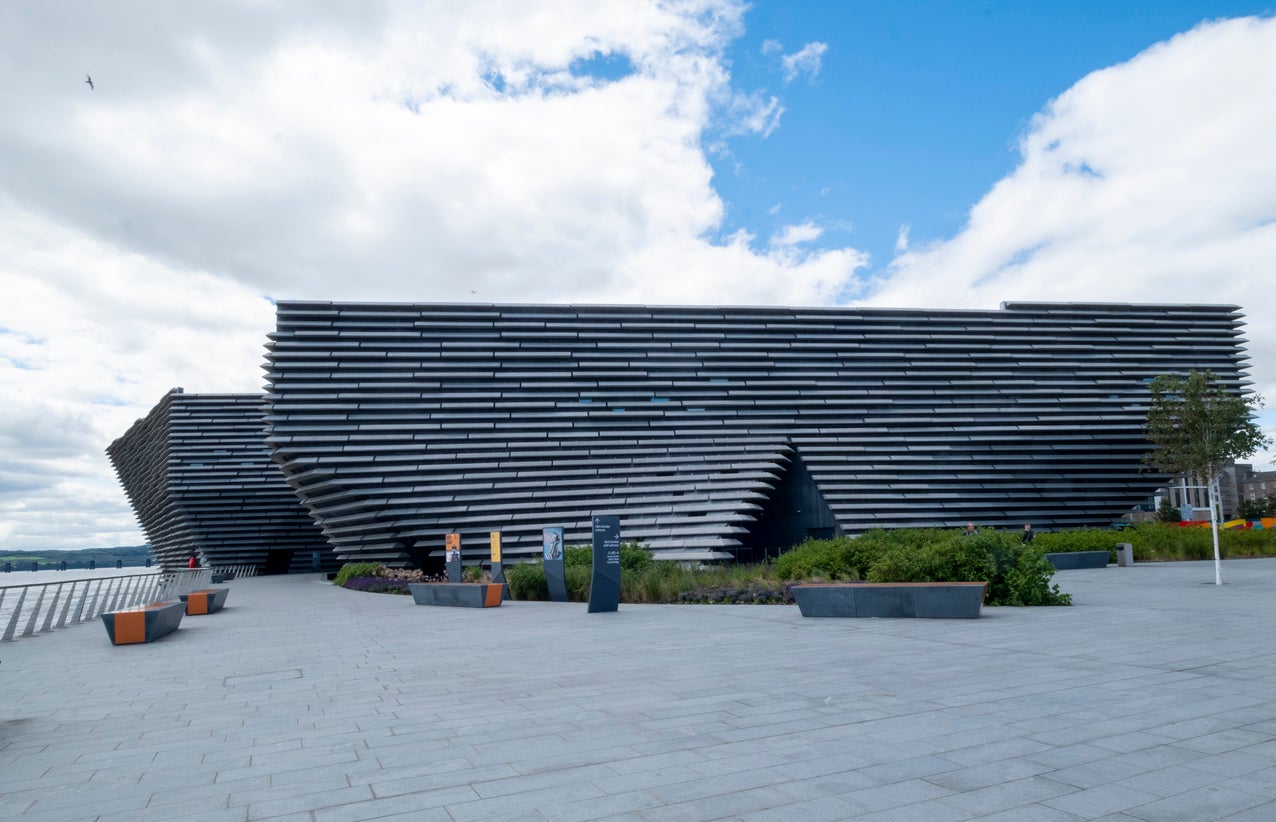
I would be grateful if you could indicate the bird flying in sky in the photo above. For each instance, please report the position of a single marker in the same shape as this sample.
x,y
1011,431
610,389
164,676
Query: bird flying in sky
x,y
89,80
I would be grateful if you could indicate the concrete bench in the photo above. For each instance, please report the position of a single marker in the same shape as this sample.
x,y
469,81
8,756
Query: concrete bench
x,y
1072,560
458,594
925,600
205,601
143,624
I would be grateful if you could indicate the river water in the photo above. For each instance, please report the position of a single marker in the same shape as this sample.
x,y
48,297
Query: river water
x,y
17,577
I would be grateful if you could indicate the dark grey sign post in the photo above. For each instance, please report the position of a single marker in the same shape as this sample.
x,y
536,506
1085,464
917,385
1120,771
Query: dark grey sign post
x,y
453,563
552,543
604,585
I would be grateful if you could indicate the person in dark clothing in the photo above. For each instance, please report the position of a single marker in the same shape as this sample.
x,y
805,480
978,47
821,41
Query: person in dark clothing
x,y
970,530
1028,533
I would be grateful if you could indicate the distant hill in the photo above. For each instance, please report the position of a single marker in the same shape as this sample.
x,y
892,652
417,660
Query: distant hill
x,y
128,555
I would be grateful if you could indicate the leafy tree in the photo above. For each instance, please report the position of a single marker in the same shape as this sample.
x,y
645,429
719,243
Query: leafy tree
x,y
1257,508
1167,511
1251,509
1198,427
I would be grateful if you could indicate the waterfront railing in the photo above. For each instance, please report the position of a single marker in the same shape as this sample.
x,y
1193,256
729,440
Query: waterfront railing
x,y
27,610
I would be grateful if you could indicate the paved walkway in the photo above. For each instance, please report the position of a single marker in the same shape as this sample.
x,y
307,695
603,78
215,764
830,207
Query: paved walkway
x,y
1153,698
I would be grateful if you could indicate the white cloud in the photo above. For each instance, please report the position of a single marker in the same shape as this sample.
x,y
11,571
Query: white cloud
x,y
754,113
807,61
797,234
901,239
318,150
1150,181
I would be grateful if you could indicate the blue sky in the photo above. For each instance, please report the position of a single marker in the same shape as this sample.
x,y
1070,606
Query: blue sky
x,y
588,151
918,105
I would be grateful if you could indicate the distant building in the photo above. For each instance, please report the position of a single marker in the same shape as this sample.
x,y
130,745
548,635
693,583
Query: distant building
x,y
1255,485
199,476
1188,490
718,431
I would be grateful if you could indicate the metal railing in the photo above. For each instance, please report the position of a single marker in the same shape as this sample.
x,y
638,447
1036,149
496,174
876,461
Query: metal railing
x,y
239,571
26,610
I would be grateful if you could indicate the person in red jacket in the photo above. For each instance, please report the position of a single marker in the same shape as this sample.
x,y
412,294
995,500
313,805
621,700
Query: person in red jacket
x,y
193,563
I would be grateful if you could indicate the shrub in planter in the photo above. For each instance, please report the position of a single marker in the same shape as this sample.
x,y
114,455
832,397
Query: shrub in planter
x,y
526,580
377,585
577,579
1016,574
356,569
825,558
963,559
866,549
634,556
1027,581
1087,539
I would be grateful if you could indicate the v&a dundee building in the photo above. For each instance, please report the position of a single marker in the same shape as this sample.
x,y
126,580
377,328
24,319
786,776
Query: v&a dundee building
x,y
199,476
717,431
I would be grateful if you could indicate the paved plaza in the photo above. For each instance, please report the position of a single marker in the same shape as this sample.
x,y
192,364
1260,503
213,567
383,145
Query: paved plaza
x,y
1152,698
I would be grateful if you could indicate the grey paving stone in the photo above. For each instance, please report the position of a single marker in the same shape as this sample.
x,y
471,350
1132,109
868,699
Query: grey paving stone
x,y
261,808
721,806
1259,813
895,794
1259,782
425,804
1101,800
992,773
327,704
1171,781
1232,763
933,811
824,809
1213,802
1031,813
603,807
521,803
1222,741
1016,794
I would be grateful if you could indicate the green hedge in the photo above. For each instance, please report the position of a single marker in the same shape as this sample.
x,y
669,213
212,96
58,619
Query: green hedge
x,y
1016,574
1158,541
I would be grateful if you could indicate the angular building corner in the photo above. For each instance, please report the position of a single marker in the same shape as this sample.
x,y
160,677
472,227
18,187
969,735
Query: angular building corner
x,y
201,482
718,431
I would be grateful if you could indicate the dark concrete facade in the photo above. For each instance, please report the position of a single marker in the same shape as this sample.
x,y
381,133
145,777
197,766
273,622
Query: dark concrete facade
x,y
199,476
718,429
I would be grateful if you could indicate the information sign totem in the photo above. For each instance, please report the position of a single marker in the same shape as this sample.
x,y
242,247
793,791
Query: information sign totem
x,y
552,546
453,542
604,585
498,570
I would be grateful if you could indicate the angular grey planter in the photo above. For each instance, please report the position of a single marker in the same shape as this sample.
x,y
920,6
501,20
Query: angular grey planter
x,y
458,594
144,624
205,600
923,600
1072,560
